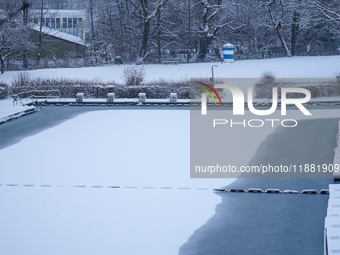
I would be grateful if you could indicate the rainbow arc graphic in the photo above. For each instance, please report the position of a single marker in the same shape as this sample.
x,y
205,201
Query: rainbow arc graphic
x,y
209,93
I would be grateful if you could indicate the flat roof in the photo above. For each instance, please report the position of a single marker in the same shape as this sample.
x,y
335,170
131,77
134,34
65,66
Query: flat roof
x,y
61,13
58,34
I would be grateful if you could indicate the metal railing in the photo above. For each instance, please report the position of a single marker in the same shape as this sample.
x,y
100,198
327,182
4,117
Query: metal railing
x,y
34,95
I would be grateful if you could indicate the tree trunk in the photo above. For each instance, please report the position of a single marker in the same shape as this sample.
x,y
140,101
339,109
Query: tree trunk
x,y
278,30
329,39
189,31
93,49
146,29
159,37
284,45
145,40
204,48
295,29
2,64
25,19
204,44
40,33
129,33
147,18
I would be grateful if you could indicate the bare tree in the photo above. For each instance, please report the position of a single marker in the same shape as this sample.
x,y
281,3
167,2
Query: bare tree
x,y
13,32
330,15
149,11
25,6
277,22
40,32
212,16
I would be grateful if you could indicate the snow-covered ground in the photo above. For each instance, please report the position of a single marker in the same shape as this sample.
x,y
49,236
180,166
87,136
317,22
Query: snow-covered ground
x,y
296,67
146,153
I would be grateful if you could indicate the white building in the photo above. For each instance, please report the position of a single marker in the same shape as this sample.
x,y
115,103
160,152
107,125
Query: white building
x,y
68,21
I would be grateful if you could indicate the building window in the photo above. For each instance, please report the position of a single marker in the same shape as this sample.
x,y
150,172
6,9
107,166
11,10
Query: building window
x,y
57,23
35,20
80,20
69,23
74,22
48,22
52,22
64,22
43,21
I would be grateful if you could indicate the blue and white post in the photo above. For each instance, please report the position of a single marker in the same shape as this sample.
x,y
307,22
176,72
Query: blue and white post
x,y
228,52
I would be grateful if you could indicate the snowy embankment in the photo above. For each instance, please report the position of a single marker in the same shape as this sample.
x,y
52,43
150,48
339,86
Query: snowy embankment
x,y
332,219
296,67
9,111
336,160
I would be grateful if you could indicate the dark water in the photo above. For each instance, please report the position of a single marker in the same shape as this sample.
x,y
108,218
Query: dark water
x,y
270,224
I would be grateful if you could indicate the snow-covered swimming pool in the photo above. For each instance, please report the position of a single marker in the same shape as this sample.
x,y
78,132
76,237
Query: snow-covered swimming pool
x,y
57,195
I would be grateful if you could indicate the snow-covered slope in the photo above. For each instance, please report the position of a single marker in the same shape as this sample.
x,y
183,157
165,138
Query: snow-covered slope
x,y
296,67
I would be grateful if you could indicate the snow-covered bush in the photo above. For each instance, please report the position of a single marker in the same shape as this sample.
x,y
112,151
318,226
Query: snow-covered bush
x,y
98,89
133,75
268,78
263,89
152,91
21,79
3,90
337,76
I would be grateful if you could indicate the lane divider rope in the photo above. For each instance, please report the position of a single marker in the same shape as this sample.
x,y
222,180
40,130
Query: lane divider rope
x,y
233,190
